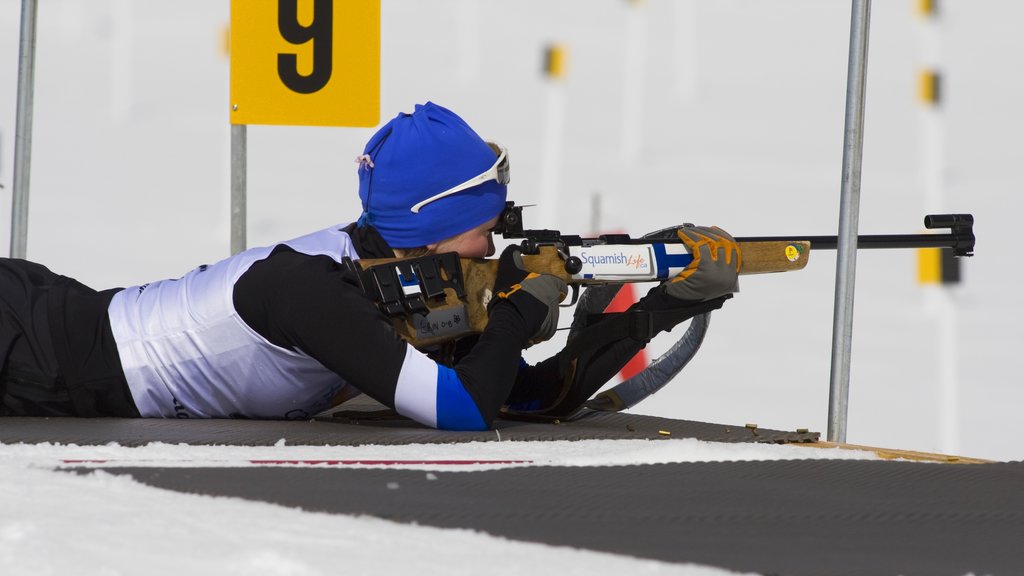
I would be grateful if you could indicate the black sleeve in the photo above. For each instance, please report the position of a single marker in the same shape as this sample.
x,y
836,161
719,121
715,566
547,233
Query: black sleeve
x,y
489,371
538,387
312,304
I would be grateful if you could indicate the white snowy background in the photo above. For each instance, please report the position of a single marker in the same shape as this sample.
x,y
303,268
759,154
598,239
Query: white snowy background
x,y
725,112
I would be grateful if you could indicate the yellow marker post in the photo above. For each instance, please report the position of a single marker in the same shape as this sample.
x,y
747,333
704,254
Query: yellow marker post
x,y
926,7
555,60
928,85
929,265
554,69
937,266
305,62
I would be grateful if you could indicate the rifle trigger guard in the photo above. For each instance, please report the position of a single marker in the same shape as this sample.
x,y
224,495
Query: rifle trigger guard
x,y
575,296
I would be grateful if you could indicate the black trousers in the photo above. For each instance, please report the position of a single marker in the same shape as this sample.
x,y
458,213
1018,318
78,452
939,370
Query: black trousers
x,y
57,355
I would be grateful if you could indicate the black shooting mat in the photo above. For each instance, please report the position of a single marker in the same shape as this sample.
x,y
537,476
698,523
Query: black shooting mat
x,y
355,428
798,517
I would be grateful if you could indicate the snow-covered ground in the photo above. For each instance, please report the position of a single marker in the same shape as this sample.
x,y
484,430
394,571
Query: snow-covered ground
x,y
54,522
556,453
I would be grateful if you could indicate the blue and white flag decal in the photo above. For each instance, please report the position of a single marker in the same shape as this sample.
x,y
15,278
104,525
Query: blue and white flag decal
x,y
670,259
410,283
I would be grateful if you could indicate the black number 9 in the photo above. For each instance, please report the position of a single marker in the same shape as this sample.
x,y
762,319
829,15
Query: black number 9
x,y
319,32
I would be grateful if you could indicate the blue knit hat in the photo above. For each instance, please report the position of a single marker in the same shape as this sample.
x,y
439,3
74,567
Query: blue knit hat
x,y
416,156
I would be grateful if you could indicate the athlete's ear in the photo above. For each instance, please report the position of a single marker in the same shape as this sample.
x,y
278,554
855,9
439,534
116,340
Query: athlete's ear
x,y
432,248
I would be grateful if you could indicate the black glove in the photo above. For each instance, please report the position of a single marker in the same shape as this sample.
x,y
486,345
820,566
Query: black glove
x,y
534,296
715,267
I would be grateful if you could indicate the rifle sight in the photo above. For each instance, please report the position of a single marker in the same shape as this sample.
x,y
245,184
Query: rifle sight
x,y
510,221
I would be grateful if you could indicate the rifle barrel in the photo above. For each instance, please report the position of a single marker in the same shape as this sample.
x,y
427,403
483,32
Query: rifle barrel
x,y
873,241
962,245
960,237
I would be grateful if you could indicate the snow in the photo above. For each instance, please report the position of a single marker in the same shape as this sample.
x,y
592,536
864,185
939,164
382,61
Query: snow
x,y
56,522
60,523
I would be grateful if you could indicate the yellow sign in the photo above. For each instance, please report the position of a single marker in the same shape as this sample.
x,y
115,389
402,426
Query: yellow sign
x,y
305,62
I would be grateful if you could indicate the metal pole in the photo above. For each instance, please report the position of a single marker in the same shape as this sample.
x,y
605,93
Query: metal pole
x,y
23,130
238,185
849,212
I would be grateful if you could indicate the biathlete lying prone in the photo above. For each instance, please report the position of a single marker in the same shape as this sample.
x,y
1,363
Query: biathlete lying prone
x,y
278,332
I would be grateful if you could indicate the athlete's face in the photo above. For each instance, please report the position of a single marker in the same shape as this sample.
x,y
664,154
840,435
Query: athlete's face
x,y
475,243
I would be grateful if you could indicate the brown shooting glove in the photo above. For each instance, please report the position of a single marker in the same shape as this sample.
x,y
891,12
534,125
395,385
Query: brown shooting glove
x,y
534,296
715,267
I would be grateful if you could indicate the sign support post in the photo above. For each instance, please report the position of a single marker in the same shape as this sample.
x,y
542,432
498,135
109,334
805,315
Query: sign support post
x,y
23,130
239,167
849,215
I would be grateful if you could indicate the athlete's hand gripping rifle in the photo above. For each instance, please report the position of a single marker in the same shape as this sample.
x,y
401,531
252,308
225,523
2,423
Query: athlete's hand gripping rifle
x,y
439,297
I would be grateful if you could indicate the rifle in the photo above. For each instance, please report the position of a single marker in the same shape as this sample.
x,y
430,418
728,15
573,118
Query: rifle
x,y
437,298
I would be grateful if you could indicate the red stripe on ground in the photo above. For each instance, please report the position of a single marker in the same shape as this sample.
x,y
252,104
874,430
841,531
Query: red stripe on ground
x,y
343,462
391,462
